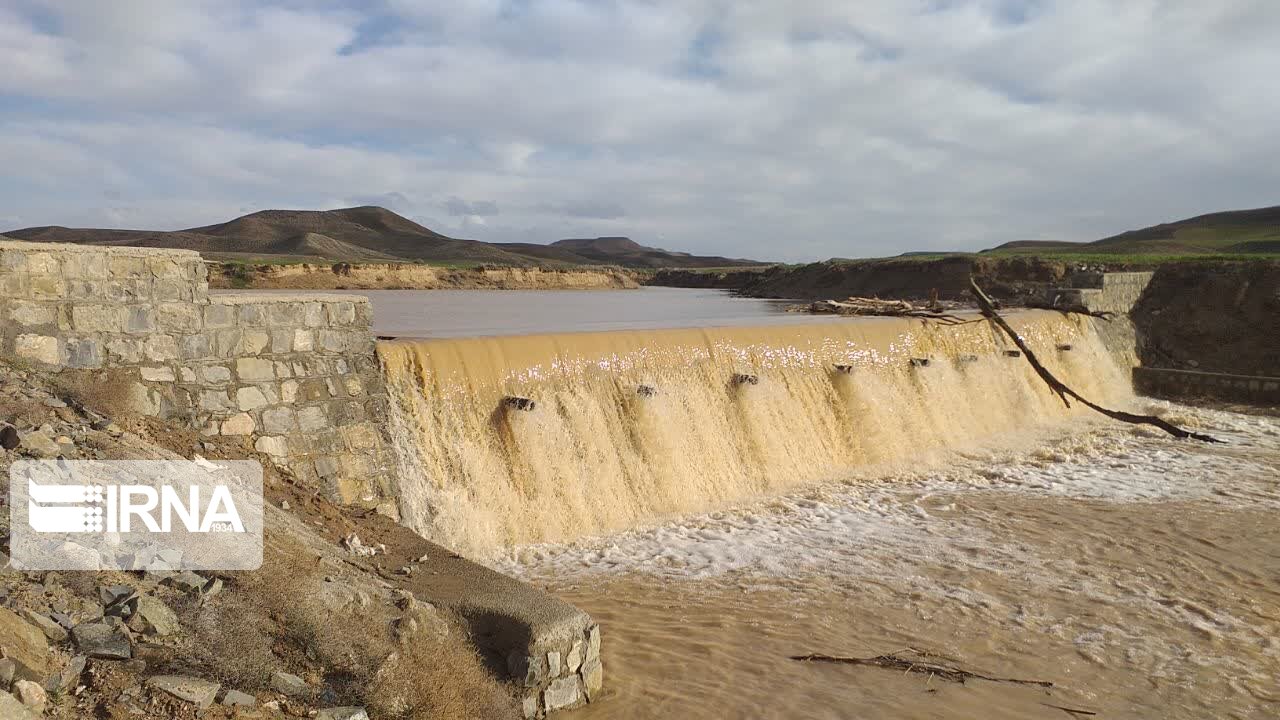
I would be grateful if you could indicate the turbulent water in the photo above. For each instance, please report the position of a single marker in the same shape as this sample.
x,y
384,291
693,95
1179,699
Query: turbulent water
x,y
633,427
1138,574
852,502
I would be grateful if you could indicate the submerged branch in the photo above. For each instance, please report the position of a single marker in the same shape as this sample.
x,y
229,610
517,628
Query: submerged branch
x,y
924,667
1061,389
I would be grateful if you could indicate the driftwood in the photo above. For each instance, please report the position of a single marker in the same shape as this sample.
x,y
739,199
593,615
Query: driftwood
x,y
884,308
892,661
1061,390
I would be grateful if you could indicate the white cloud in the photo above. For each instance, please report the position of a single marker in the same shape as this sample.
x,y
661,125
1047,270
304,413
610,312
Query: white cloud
x,y
789,130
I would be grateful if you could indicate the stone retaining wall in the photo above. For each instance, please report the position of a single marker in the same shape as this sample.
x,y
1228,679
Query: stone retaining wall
x,y
1115,292
296,374
1190,384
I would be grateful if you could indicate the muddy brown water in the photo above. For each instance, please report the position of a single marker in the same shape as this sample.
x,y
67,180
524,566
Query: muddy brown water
x,y
1139,575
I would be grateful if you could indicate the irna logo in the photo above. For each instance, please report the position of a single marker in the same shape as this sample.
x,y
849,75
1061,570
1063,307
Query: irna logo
x,y
125,508
150,515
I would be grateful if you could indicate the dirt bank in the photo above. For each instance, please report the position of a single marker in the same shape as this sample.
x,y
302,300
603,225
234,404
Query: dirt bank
x,y
318,628
408,276
898,278
1212,317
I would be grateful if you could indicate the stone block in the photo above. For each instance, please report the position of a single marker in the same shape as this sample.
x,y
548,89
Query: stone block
x,y
358,437
281,314
313,418
255,369
553,663
120,267
278,421
226,343
313,315
171,290
84,353
125,350
573,659
250,398
239,424
219,316
157,374
30,313
160,348
593,643
334,341
85,290
303,340
353,386
214,400
593,678
195,347
140,319
43,263
288,391
180,317
97,318
44,287
274,445
326,467
313,390
252,315
38,348
216,374
341,313
253,342
562,693
281,341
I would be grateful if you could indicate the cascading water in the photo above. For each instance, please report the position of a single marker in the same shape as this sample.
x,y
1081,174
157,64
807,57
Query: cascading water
x,y
625,428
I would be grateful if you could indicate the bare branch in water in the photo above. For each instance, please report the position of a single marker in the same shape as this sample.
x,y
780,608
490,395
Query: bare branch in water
x,y
1061,389
909,665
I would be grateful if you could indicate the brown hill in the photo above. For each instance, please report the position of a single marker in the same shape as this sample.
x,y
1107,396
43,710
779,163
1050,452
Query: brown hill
x,y
367,234
627,252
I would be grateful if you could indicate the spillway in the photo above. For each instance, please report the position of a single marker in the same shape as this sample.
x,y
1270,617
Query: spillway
x,y
521,439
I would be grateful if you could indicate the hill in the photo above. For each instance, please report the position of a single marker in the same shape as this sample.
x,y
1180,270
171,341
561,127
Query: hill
x,y
1221,233
625,251
367,234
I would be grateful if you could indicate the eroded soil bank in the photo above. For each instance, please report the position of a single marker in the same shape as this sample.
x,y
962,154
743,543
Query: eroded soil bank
x,y
408,276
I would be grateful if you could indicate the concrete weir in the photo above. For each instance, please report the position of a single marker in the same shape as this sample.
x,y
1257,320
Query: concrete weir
x,y
297,376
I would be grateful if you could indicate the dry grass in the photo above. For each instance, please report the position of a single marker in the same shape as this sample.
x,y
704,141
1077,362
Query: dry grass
x,y
103,391
273,619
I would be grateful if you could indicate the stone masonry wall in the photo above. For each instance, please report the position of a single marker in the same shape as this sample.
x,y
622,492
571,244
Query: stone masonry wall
x,y
297,374
1114,292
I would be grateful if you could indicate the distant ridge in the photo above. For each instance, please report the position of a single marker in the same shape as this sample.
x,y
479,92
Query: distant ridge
x,y
1230,232
368,234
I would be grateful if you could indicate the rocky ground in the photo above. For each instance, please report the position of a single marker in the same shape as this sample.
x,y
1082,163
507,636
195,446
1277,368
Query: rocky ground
x,y
327,628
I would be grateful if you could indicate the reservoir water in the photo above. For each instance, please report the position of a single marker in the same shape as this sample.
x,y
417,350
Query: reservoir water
x,y
724,487
471,313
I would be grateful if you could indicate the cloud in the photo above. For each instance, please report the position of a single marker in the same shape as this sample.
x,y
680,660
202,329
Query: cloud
x,y
793,131
457,207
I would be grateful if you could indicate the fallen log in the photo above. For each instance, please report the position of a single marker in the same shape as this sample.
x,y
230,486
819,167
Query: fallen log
x,y
1061,390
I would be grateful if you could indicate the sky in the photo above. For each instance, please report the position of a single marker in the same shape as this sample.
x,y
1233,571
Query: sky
x,y
775,129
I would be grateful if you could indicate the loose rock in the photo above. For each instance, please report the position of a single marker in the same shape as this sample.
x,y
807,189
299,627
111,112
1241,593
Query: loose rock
x,y
288,685
12,709
193,690
47,625
31,695
343,713
235,697
151,615
100,640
